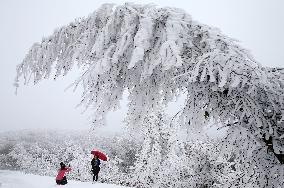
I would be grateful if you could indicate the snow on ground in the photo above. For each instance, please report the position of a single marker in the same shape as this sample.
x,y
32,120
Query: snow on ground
x,y
15,179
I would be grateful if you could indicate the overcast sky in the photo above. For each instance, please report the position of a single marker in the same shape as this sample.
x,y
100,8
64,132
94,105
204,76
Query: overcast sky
x,y
258,24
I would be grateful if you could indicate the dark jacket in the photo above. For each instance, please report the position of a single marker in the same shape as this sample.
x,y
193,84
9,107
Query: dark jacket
x,y
95,163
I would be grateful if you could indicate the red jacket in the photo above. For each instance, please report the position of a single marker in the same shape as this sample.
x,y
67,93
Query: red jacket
x,y
61,173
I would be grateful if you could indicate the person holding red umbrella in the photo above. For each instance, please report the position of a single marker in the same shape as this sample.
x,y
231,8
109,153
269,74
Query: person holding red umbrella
x,y
95,167
96,163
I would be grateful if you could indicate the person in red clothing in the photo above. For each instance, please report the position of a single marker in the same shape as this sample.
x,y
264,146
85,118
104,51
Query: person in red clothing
x,y
61,178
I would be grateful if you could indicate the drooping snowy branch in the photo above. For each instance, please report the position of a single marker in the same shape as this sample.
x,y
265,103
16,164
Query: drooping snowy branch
x,y
157,53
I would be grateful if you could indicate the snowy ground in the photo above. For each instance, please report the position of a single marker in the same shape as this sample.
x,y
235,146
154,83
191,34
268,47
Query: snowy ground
x,y
14,179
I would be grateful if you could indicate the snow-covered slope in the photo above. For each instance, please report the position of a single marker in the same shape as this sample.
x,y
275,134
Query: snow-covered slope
x,y
14,179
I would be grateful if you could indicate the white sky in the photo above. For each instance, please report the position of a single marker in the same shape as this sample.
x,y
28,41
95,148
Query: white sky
x,y
258,24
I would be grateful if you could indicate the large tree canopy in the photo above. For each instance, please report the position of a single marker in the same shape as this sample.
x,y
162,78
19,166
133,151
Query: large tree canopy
x,y
157,54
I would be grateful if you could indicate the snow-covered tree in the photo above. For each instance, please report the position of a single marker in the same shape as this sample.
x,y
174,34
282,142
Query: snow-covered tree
x,y
175,165
157,53
146,171
256,169
167,160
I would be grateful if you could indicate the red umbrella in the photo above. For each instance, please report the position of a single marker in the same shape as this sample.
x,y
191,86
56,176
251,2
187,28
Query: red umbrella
x,y
99,154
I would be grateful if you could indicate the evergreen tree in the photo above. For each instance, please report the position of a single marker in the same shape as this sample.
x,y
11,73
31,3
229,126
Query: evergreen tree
x,y
157,53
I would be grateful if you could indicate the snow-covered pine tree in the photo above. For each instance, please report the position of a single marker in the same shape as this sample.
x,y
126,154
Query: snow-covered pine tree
x,y
157,53
175,166
24,159
80,162
256,169
146,170
111,172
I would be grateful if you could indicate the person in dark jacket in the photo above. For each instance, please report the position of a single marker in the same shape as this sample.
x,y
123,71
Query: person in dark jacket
x,y
61,178
95,167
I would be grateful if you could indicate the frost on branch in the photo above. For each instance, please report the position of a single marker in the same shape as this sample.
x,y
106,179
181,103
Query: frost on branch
x,y
157,53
